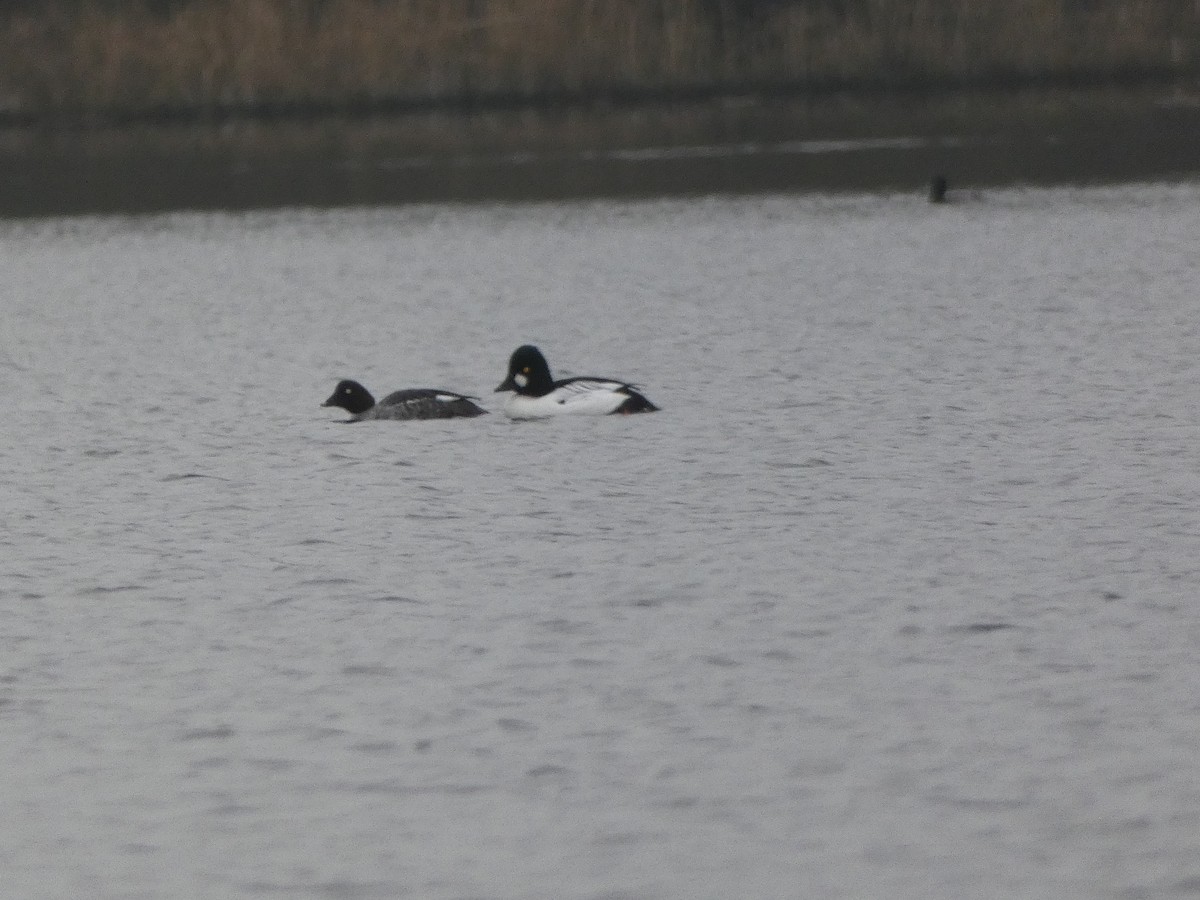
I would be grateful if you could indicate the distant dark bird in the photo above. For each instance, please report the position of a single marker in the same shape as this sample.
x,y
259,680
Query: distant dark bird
x,y
937,189
412,403
537,395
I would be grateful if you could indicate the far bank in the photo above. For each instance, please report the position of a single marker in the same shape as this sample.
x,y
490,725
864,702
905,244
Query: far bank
x,y
104,62
875,141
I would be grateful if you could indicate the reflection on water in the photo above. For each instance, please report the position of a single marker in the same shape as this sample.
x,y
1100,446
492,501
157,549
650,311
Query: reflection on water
x,y
738,146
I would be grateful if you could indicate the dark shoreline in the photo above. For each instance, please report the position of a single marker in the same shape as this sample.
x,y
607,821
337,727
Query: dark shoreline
x,y
609,97
750,143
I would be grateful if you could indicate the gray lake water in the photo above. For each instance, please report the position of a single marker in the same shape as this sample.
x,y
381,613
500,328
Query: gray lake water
x,y
897,597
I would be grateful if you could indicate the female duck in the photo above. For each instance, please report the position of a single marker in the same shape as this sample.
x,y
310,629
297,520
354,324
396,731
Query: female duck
x,y
412,403
537,395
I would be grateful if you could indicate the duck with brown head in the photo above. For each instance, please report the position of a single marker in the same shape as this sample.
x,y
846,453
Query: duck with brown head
x,y
411,403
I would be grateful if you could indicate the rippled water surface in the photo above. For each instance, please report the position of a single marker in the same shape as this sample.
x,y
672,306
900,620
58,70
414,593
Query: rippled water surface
x,y
895,598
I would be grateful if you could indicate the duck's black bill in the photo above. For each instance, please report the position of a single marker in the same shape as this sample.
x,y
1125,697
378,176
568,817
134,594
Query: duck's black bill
x,y
507,385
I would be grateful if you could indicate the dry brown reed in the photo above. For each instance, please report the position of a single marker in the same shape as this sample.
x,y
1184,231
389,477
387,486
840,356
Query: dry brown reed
x,y
70,58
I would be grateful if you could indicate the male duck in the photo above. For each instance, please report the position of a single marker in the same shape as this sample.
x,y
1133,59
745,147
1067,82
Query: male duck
x,y
537,395
412,403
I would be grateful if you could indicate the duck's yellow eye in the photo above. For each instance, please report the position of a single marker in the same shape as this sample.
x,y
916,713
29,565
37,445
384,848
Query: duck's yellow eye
x,y
526,370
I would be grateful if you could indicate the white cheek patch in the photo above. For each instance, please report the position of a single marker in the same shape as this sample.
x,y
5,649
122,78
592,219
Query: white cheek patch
x,y
521,379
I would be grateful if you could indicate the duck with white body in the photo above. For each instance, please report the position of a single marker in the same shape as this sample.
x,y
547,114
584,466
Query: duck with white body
x,y
537,395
